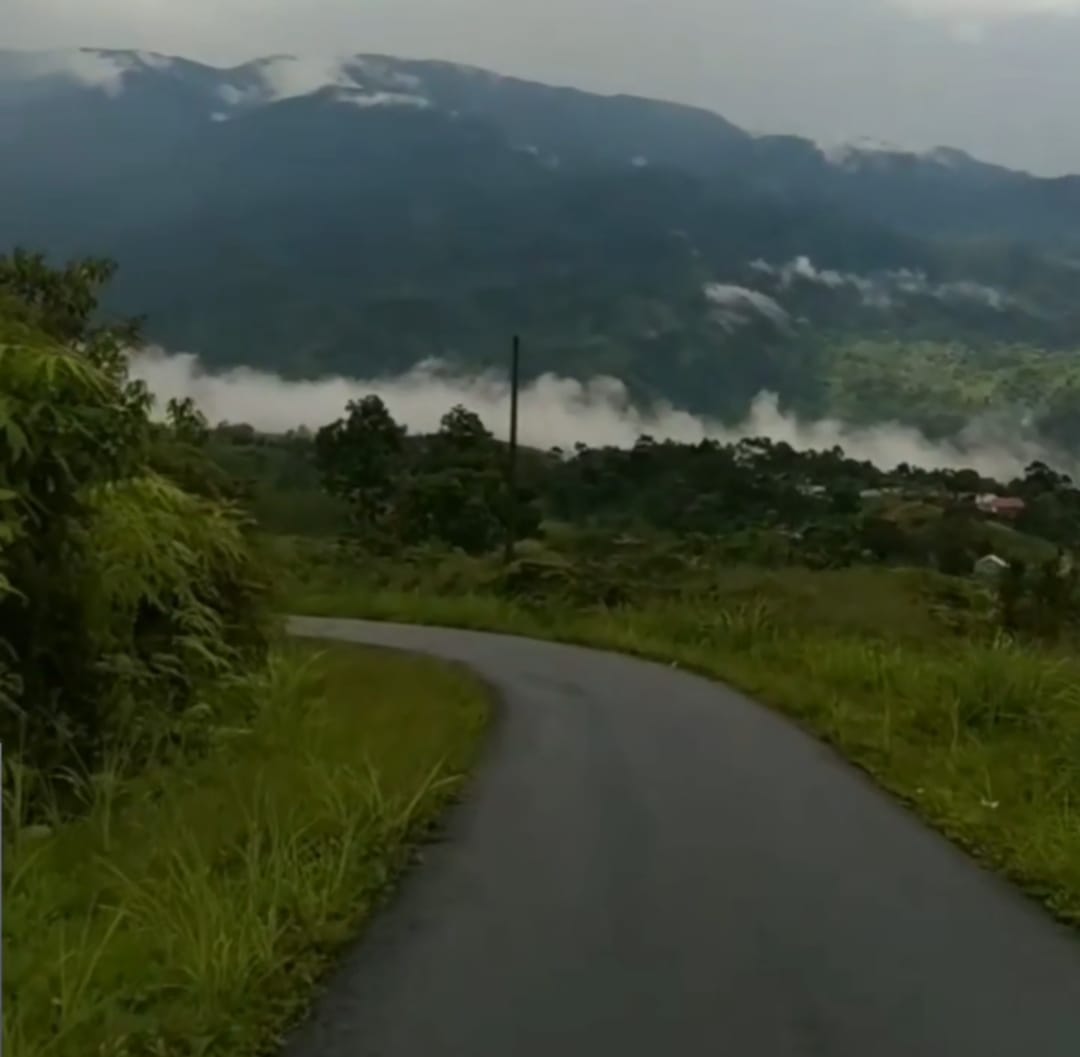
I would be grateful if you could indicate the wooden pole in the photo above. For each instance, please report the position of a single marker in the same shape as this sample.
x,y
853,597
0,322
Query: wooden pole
x,y
511,466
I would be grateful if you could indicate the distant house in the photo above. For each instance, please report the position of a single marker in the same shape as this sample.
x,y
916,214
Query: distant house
x,y
871,493
816,490
1001,505
990,567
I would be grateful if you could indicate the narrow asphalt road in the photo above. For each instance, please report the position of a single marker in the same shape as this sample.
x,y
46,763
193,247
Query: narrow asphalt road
x,y
649,865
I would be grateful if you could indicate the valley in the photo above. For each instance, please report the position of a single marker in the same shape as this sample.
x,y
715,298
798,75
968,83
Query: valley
x,y
797,423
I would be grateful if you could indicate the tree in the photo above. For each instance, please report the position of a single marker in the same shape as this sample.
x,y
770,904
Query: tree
x,y
955,543
963,481
463,429
845,500
187,422
457,506
455,493
239,433
1012,587
1044,602
63,304
461,440
1046,516
122,595
358,457
1040,478
181,452
885,539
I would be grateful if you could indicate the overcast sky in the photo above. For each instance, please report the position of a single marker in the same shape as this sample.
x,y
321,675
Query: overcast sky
x,y
1000,78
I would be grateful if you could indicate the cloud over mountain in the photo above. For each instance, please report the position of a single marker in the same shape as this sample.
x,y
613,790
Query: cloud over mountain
x,y
560,411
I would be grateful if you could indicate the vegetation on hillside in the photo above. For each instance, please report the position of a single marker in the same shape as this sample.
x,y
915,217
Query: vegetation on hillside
x,y
195,816
124,598
944,387
842,593
235,808
192,910
673,508
311,237
907,672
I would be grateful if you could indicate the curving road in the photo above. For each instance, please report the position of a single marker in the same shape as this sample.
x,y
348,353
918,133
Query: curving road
x,y
649,865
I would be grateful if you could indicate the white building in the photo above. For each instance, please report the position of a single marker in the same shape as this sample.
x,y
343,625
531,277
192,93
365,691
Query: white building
x,y
990,567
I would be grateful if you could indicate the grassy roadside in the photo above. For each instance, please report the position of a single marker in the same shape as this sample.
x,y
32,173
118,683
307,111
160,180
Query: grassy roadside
x,y
981,737
194,909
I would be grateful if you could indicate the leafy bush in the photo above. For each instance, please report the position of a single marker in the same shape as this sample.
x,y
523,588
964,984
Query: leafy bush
x,y
121,594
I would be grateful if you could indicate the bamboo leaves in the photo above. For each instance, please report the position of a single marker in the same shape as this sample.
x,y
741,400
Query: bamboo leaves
x,y
122,595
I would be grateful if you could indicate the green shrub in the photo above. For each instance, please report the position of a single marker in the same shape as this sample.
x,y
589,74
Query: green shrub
x,y
122,596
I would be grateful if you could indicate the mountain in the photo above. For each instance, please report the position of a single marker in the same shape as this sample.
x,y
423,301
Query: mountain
x,y
364,214
160,100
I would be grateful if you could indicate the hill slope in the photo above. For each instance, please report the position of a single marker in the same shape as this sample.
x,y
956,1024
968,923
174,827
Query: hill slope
x,y
361,215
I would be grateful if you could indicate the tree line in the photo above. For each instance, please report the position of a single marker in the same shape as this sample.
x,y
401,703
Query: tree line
x,y
450,486
754,501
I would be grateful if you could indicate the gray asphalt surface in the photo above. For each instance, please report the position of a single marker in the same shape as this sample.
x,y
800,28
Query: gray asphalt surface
x,y
649,864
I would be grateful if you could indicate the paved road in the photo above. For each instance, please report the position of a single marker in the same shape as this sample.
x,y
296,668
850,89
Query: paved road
x,y
648,865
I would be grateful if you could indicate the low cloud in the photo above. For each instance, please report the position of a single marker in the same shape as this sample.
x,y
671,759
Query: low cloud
x,y
966,290
383,73
737,305
280,77
880,290
558,411
803,268
365,100
286,76
91,69
360,82
234,96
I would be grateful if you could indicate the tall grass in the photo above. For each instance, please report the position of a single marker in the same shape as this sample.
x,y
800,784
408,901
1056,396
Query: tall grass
x,y
192,910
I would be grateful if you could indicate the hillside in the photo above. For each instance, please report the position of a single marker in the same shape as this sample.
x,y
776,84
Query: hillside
x,y
200,818
172,769
358,217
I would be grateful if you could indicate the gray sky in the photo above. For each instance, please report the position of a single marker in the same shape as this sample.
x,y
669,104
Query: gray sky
x,y
999,78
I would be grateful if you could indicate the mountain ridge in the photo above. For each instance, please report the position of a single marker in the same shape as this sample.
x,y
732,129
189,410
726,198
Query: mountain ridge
x,y
862,147
363,217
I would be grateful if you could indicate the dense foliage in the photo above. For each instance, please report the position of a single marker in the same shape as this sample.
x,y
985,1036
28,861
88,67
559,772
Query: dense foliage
x,y
196,818
944,387
123,595
609,518
448,486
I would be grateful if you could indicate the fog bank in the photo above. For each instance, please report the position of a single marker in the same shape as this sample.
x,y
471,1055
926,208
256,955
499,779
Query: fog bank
x,y
557,411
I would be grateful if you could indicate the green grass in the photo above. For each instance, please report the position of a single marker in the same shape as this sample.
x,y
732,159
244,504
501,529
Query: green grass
x,y
981,736
193,910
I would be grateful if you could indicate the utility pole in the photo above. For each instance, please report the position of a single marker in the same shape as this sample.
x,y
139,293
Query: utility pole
x,y
511,466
